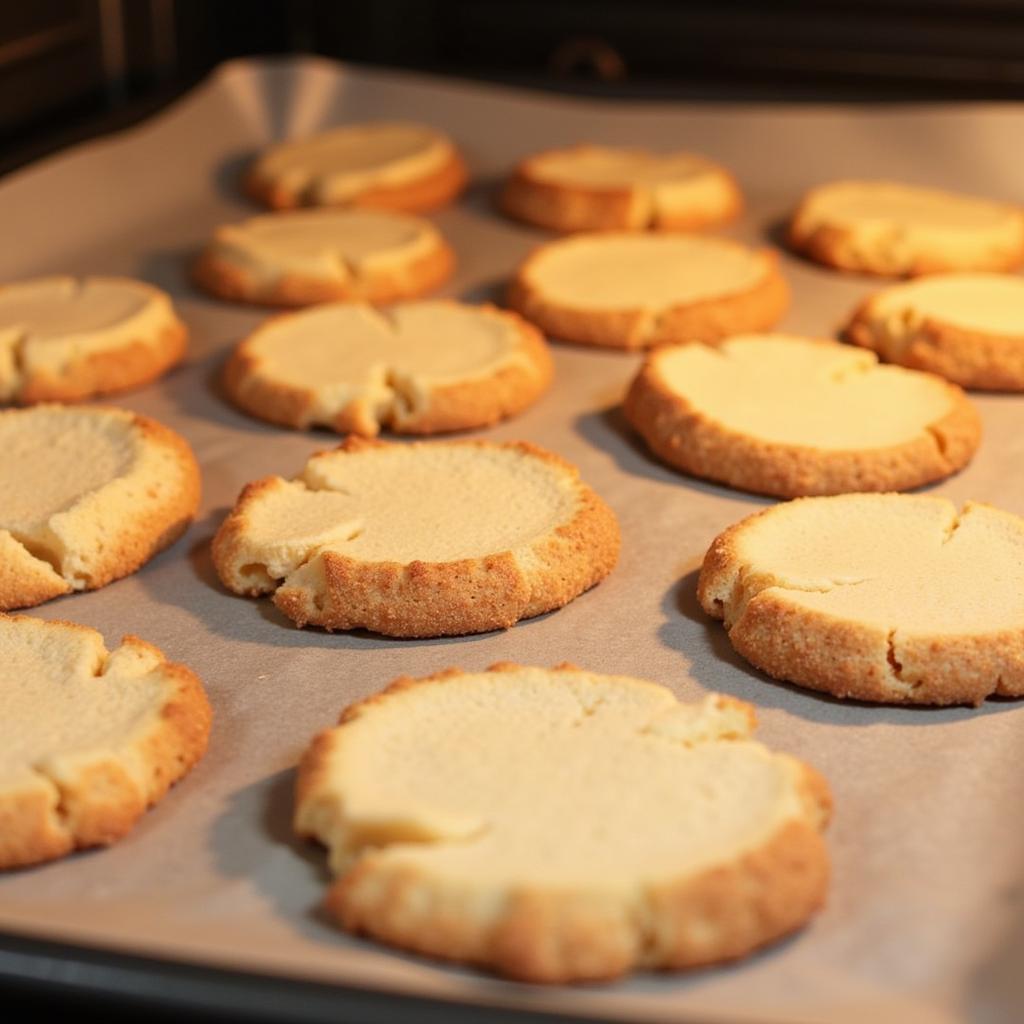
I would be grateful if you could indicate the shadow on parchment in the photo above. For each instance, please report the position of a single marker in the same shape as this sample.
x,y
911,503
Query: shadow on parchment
x,y
171,270
776,234
492,292
481,196
216,609
228,175
198,392
732,674
609,430
247,842
775,231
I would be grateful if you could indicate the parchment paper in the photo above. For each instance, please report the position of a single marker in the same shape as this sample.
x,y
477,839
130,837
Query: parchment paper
x,y
924,922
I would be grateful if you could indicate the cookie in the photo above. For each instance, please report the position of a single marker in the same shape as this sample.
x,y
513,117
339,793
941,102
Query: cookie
x,y
87,495
555,826
421,539
383,164
63,339
633,291
880,597
588,188
89,738
882,227
308,256
416,368
789,416
967,327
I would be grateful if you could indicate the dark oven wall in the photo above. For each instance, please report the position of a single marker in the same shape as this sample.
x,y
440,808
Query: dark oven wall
x,y
72,68
737,47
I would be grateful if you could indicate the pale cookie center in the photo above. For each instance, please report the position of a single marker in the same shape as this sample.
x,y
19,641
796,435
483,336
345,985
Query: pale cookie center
x,y
59,700
908,566
911,208
795,392
611,168
354,150
441,503
350,238
57,307
992,303
51,458
647,273
356,345
527,782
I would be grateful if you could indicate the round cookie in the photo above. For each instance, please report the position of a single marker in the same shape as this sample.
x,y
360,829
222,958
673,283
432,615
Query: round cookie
x,y
632,291
881,597
87,495
416,368
66,339
422,539
789,416
309,256
557,826
967,327
883,227
588,188
383,164
89,738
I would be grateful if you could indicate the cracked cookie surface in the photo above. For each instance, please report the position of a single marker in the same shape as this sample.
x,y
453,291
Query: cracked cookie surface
x,y
632,291
554,825
419,539
586,188
91,737
892,598
790,416
66,339
391,165
414,368
86,496
312,256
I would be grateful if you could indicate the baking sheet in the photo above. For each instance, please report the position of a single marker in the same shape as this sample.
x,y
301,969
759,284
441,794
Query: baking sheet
x,y
925,919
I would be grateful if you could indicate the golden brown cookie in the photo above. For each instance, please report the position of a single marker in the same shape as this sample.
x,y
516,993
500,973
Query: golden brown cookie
x,y
421,539
310,256
556,826
89,738
881,597
87,495
790,416
969,328
589,188
383,164
632,291
883,227
415,368
65,339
